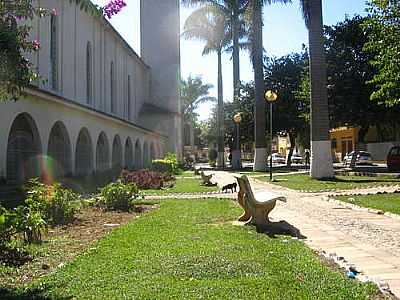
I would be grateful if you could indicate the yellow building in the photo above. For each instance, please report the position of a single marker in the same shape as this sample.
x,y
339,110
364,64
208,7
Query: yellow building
x,y
344,139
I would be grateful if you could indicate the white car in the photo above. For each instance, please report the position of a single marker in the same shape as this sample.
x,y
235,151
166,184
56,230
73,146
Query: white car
x,y
297,159
276,159
363,158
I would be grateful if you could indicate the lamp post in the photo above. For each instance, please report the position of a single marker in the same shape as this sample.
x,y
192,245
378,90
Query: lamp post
x,y
270,97
236,154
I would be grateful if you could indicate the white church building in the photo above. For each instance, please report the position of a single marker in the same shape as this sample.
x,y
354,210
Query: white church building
x,y
101,106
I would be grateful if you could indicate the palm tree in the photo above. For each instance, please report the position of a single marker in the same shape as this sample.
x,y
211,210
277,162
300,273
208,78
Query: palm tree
x,y
233,10
210,25
194,93
321,158
256,7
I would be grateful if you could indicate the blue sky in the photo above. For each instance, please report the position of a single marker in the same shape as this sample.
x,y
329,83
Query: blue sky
x,y
284,32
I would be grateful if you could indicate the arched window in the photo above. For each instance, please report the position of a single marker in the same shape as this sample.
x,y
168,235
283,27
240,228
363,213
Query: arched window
x,y
129,106
53,53
89,81
112,88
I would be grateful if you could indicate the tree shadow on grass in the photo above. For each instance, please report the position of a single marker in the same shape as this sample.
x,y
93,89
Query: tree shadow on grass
x,y
272,229
28,294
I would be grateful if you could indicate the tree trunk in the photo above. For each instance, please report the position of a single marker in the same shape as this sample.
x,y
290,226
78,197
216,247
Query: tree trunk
x,y
259,107
220,114
321,157
292,139
235,54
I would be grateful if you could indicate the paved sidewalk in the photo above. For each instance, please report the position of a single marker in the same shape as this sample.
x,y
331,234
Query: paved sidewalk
x,y
369,241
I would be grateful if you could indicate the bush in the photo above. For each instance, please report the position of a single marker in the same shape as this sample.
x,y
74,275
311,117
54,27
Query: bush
x,y
212,157
119,195
145,179
169,164
7,228
57,205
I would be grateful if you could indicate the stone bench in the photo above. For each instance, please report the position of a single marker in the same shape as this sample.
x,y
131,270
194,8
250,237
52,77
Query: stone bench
x,y
206,178
256,204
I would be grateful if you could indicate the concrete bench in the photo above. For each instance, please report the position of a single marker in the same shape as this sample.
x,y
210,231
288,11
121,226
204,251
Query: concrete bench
x,y
206,178
256,204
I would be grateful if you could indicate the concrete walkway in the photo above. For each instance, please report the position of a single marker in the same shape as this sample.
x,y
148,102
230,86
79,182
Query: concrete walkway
x,y
369,241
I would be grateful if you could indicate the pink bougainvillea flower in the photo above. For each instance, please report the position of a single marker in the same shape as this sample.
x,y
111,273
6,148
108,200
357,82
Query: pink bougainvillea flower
x,y
54,12
113,7
35,45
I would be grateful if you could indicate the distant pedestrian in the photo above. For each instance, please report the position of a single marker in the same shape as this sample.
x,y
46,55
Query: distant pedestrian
x,y
307,157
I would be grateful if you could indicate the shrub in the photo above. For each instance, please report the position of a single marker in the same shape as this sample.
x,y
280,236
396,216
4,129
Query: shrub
x,y
169,164
7,228
145,179
30,223
119,195
56,204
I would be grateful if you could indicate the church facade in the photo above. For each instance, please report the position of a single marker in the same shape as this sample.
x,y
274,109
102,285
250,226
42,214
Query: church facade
x,y
101,106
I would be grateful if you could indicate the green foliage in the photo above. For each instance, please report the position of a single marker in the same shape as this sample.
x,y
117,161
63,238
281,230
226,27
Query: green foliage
x,y
7,225
212,154
169,164
119,195
57,204
383,43
31,223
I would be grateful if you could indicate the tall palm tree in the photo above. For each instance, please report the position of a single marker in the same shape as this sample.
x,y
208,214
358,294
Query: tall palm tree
x,y
210,25
256,7
321,157
233,10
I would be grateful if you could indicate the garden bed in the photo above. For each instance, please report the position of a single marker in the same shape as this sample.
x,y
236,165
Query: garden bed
x,y
60,245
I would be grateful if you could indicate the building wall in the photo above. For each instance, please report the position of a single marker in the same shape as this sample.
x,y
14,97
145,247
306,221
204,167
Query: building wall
x,y
343,141
75,30
45,110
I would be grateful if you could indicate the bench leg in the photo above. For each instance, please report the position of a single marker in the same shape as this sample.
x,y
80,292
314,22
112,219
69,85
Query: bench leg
x,y
246,216
260,216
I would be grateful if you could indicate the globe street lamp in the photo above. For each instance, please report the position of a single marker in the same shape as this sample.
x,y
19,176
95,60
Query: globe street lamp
x,y
270,97
236,154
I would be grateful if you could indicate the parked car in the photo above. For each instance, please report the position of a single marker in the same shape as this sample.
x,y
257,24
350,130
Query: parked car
x,y
363,158
393,159
276,159
297,159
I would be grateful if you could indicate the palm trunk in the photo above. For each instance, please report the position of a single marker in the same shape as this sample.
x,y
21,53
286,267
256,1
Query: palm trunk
x,y
321,157
220,114
235,54
259,107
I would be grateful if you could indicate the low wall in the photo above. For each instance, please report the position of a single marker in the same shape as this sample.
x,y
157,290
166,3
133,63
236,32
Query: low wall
x,y
379,151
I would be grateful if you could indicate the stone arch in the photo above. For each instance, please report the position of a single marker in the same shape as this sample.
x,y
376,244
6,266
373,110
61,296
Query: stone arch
x,y
138,155
146,155
102,153
117,154
23,149
59,150
84,154
129,153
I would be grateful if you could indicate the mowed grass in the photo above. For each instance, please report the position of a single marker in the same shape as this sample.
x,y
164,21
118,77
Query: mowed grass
x,y
385,202
188,249
305,182
186,174
184,185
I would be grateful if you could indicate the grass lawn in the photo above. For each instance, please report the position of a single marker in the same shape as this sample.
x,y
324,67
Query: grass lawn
x,y
305,182
183,185
186,174
385,202
188,249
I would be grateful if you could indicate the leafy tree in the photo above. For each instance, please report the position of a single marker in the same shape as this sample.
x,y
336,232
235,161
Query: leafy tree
x,y
349,72
284,75
383,40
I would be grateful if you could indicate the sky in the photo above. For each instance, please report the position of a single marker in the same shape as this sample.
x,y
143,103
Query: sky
x,y
284,32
